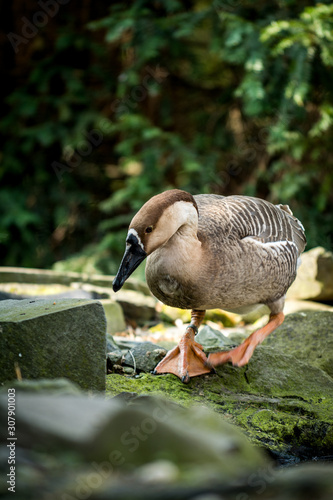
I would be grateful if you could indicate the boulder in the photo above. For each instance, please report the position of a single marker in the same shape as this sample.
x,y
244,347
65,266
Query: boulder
x,y
144,356
48,339
111,345
283,399
314,277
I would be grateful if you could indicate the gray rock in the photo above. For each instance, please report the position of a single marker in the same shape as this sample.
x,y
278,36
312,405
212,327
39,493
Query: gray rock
x,y
114,316
113,311
75,446
314,277
114,358
50,339
111,344
308,336
135,299
114,353
50,386
144,356
198,444
25,275
213,340
136,306
43,276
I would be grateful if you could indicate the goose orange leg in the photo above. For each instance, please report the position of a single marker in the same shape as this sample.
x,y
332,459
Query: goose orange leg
x,y
241,355
187,359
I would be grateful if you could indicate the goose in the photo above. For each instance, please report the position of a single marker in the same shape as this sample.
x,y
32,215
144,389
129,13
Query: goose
x,y
210,251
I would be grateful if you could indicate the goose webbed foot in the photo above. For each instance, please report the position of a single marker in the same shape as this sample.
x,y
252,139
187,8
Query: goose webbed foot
x,y
186,360
240,355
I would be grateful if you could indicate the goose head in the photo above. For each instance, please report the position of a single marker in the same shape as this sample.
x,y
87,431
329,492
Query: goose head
x,y
152,227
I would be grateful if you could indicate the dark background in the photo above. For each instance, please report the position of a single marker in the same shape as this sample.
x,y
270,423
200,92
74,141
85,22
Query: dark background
x,y
107,103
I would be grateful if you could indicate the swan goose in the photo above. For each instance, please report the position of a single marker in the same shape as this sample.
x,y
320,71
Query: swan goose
x,y
209,251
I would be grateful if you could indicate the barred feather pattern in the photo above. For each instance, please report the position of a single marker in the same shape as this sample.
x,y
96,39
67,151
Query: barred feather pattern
x,y
257,243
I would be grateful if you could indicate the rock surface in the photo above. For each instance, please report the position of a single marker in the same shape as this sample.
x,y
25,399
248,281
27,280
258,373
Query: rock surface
x,y
136,306
151,441
134,301
72,446
308,336
213,340
45,276
49,339
314,279
292,306
282,399
115,321
144,356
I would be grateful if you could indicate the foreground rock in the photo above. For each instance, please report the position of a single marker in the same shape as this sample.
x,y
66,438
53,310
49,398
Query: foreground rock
x,y
283,398
151,441
314,279
72,446
49,339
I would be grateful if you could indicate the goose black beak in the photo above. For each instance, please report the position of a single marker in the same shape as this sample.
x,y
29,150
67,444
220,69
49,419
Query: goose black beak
x,y
133,256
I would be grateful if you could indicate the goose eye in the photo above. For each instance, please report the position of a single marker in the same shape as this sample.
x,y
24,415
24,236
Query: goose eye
x,y
149,229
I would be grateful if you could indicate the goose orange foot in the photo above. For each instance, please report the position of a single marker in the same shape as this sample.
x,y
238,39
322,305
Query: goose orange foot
x,y
241,355
186,360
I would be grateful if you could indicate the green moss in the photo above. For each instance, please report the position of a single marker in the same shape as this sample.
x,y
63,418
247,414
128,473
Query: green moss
x,y
149,384
281,403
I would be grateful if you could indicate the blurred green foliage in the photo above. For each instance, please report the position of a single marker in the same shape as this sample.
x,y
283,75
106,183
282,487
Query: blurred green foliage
x,y
114,106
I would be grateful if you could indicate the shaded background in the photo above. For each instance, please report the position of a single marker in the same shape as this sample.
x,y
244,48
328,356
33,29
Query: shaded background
x,y
105,104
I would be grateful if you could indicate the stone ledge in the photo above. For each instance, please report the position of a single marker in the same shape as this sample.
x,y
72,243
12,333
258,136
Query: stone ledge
x,y
44,338
46,276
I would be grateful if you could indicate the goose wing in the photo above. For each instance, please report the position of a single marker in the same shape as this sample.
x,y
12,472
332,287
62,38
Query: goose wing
x,y
265,223
254,239
271,237
239,217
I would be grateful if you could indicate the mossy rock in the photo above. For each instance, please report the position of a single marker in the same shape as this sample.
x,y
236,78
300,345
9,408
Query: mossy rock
x,y
308,335
46,338
282,404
